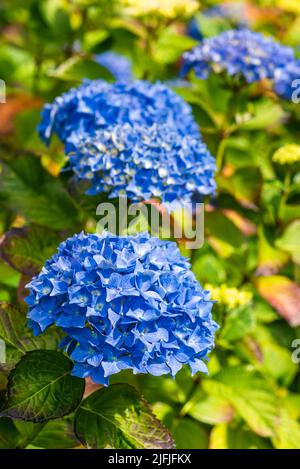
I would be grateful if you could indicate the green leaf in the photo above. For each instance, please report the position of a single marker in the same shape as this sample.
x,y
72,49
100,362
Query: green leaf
x,y
189,434
249,395
224,437
28,190
224,236
210,409
118,417
8,434
287,433
245,185
18,338
27,249
290,241
270,259
265,114
171,45
56,434
239,322
40,388
79,68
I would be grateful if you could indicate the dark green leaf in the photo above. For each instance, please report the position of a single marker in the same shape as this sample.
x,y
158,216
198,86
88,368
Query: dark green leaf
x,y
41,388
118,417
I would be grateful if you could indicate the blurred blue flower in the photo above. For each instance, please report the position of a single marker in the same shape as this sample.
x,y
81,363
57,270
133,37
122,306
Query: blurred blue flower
x,y
98,105
243,53
119,65
148,314
144,162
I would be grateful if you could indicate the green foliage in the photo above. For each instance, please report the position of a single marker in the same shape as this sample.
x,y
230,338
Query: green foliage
x,y
251,397
117,417
41,388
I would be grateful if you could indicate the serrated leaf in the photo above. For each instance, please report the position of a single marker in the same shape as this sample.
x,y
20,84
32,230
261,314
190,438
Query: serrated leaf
x,y
118,417
283,295
26,249
40,387
18,338
249,395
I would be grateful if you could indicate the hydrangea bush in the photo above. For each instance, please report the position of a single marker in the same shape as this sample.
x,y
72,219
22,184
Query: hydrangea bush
x,y
114,342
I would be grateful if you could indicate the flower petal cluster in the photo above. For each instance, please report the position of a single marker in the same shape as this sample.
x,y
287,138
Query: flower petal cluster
x,y
243,53
124,302
287,155
167,8
145,162
97,105
119,65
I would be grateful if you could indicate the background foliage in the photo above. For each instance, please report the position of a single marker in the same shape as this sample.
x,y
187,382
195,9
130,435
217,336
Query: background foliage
x,y
250,260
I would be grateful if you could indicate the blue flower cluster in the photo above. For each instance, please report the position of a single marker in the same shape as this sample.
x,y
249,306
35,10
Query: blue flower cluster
x,y
118,65
134,138
127,302
144,162
98,105
243,53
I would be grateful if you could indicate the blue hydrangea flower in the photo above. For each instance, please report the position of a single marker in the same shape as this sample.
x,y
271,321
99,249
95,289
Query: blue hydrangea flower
x,y
241,53
124,302
98,105
144,162
288,80
118,65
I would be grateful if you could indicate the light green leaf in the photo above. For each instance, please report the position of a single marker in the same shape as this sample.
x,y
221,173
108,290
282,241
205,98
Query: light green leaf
x,y
249,395
190,434
118,417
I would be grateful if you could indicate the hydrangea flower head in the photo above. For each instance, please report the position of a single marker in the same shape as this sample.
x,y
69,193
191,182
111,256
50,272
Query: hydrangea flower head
x,y
97,105
229,296
145,162
124,302
117,64
242,53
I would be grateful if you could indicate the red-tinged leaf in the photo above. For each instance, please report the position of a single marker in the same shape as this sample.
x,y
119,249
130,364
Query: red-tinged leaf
x,y
13,106
283,295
